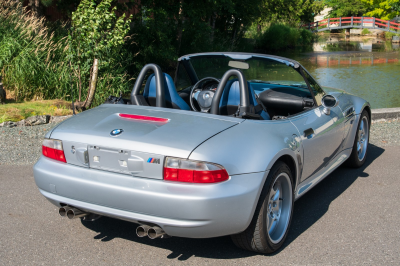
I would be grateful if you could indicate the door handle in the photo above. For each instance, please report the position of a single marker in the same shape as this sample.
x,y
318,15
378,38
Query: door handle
x,y
309,133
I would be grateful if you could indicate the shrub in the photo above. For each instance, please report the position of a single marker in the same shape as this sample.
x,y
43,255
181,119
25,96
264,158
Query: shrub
x,y
365,32
389,35
279,37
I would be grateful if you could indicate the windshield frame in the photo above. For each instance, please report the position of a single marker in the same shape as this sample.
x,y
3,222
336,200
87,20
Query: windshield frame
x,y
186,62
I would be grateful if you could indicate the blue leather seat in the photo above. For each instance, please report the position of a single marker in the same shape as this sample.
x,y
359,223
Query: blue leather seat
x,y
230,99
172,98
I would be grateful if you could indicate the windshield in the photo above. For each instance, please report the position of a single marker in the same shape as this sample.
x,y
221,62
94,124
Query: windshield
x,y
260,70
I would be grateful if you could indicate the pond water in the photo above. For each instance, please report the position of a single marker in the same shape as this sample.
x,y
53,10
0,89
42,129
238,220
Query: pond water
x,y
364,66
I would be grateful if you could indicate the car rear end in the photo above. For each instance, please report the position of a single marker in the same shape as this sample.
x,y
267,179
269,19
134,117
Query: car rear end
x,y
133,163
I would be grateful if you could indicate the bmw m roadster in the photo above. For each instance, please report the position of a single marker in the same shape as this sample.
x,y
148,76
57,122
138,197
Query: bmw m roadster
x,y
224,148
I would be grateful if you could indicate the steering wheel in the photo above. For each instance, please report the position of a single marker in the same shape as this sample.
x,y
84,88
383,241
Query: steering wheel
x,y
204,97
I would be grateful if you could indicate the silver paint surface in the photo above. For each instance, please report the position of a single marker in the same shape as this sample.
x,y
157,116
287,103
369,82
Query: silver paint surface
x,y
246,148
181,209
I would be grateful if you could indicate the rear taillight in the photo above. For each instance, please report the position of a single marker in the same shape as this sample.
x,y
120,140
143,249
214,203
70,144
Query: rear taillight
x,y
183,170
53,149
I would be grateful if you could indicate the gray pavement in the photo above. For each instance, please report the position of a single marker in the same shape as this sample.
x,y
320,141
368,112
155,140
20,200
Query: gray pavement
x,y
352,217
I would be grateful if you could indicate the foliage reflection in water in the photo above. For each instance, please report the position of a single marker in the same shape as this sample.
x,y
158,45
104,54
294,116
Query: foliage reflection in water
x,y
364,66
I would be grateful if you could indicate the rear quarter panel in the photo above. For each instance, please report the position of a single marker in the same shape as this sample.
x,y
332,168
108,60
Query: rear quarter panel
x,y
252,146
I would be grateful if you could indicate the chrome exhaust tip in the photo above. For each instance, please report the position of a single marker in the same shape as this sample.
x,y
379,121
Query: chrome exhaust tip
x,y
63,211
73,213
141,230
156,232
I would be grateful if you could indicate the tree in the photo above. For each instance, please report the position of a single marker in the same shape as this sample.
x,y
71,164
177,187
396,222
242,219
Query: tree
x,y
165,30
383,9
346,8
289,11
96,31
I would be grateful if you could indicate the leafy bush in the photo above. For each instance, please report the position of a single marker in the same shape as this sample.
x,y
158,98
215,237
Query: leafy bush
x,y
96,33
279,37
389,35
365,32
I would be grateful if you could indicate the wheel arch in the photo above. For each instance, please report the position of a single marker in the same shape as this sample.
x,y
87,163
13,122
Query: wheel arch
x,y
368,109
292,160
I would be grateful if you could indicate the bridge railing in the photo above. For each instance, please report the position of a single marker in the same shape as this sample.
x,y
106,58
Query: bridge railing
x,y
353,22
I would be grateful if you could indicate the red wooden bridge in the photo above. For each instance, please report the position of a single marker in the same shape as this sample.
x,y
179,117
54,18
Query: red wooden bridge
x,y
353,22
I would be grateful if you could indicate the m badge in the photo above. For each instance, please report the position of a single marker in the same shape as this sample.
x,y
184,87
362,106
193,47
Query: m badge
x,y
154,160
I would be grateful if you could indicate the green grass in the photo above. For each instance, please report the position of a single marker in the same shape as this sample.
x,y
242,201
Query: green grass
x,y
18,111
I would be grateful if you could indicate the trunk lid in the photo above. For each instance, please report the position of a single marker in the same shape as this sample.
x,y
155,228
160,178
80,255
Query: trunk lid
x,y
141,147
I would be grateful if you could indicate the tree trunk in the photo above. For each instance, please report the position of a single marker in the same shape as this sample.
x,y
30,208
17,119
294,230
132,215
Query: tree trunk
x,y
180,26
235,26
214,17
80,83
258,28
93,81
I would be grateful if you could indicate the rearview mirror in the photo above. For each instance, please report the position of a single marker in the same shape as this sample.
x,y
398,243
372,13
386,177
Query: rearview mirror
x,y
328,102
238,64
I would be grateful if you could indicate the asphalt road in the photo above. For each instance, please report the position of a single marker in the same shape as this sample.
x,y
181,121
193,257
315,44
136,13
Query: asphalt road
x,y
352,217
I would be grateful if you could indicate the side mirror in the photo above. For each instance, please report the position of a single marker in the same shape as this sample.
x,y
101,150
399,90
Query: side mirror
x,y
328,102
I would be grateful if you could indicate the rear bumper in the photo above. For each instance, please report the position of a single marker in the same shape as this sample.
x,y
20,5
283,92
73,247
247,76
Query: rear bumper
x,y
185,210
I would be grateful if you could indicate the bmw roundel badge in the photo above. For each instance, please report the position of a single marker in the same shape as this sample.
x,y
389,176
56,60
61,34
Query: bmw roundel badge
x,y
116,132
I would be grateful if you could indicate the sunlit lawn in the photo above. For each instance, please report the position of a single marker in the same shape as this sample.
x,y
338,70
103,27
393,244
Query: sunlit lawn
x,y
18,111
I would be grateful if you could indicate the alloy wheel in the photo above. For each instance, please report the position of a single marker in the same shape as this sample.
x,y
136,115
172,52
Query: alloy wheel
x,y
279,208
362,138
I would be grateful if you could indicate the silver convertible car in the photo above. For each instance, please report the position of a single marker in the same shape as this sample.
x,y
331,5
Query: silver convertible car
x,y
224,148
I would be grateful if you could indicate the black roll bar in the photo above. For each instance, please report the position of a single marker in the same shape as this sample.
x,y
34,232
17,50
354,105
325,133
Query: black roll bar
x,y
244,92
160,80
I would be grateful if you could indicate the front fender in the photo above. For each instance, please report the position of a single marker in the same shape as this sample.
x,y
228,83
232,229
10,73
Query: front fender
x,y
348,100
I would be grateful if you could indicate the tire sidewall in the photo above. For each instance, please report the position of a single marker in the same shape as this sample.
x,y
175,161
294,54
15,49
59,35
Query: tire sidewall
x,y
355,154
282,168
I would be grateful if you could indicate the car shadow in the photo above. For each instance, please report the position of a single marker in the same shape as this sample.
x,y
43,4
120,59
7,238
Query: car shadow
x,y
304,217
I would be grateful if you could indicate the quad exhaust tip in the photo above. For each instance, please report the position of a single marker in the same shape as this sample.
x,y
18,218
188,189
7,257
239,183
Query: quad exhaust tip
x,y
71,212
152,232
63,211
141,230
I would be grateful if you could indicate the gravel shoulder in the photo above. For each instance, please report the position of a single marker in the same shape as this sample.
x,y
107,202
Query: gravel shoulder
x,y
22,145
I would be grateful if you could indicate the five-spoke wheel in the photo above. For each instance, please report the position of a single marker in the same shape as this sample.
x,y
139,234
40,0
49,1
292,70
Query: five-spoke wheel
x,y
362,138
279,208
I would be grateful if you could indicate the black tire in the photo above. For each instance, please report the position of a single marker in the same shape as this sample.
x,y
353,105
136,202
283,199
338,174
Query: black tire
x,y
354,160
256,237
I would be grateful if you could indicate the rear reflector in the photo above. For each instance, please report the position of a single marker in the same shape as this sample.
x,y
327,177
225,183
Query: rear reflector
x,y
144,118
183,170
53,149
